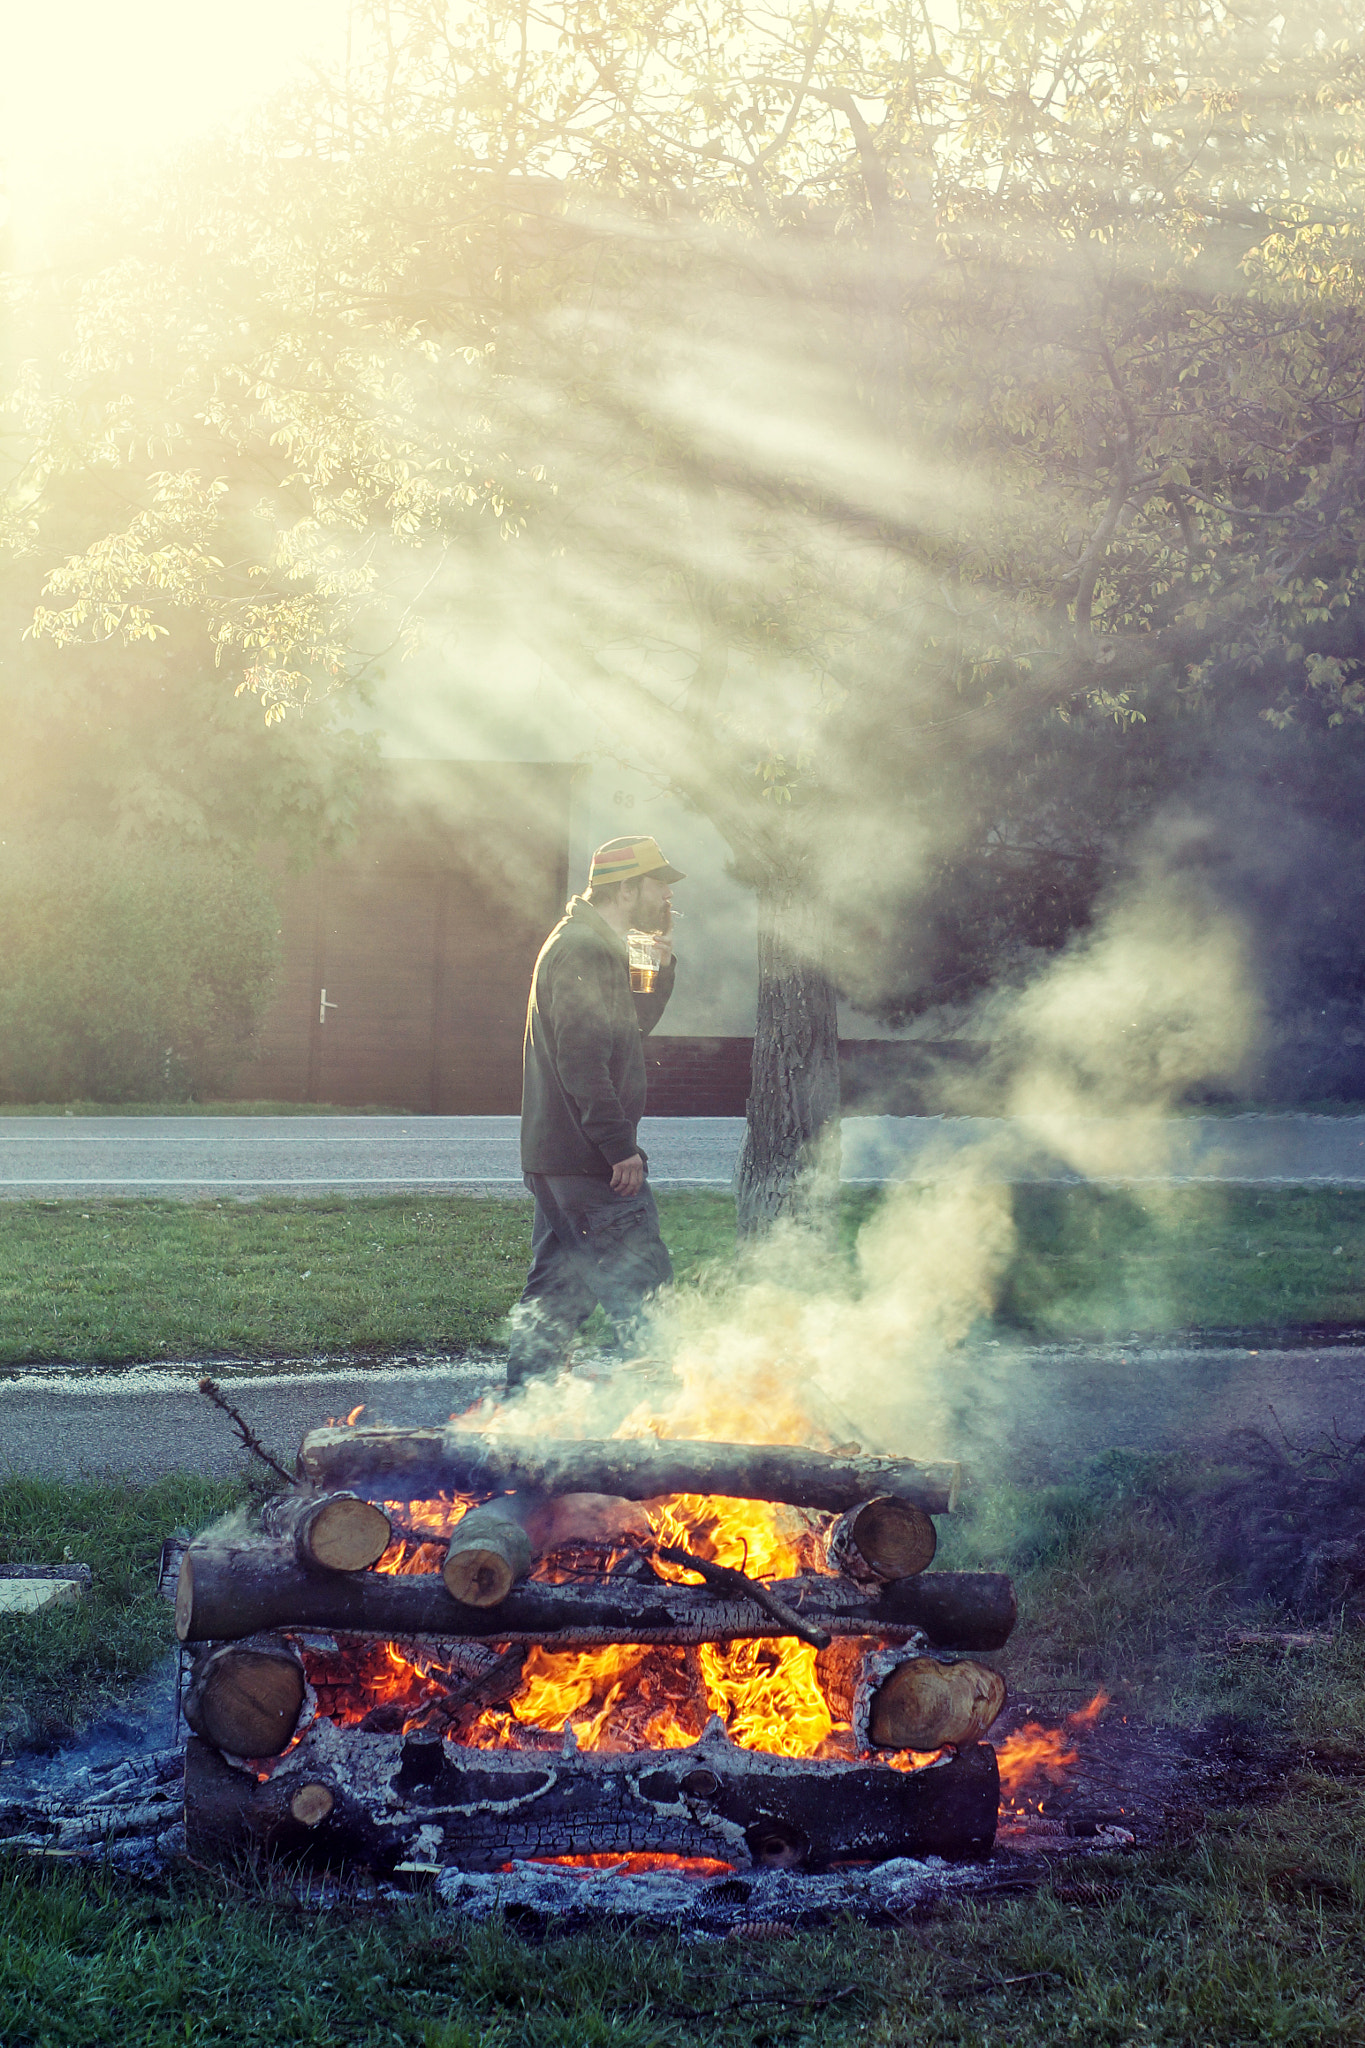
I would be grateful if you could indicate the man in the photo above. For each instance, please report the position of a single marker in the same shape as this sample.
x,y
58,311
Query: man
x,y
596,1235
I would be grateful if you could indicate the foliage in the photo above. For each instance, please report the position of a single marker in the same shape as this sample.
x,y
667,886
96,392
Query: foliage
x,y
130,972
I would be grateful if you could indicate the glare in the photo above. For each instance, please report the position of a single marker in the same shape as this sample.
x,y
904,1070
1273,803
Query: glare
x,y
90,89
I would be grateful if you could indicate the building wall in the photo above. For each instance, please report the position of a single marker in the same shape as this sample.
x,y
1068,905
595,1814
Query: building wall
x,y
406,963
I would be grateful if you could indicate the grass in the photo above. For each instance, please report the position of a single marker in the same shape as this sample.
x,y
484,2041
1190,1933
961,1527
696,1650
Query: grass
x,y
64,1664
1242,1929
109,1282
1108,1261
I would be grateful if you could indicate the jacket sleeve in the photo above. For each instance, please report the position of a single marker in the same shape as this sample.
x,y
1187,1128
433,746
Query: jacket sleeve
x,y
581,1014
649,1009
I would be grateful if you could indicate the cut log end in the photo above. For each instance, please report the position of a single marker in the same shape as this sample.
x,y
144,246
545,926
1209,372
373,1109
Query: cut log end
x,y
883,1539
246,1698
346,1534
311,1804
184,1598
924,1704
488,1553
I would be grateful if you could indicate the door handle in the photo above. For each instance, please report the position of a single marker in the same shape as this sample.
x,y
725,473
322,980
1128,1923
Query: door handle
x,y
323,1007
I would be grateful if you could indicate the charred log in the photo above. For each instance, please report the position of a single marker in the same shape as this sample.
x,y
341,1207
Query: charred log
x,y
414,1463
246,1697
377,1801
883,1540
335,1532
228,1590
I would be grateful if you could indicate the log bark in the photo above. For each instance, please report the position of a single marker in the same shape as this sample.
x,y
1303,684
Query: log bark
x,y
246,1697
415,1463
335,1532
345,1800
231,1590
882,1540
788,1161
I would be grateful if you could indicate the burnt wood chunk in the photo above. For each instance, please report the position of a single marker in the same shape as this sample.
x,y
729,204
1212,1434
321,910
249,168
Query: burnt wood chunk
x,y
228,1590
334,1532
398,1799
246,1697
415,1463
882,1539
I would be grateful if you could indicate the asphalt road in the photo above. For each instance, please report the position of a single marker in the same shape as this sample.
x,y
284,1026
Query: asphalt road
x,y
55,1157
1041,1412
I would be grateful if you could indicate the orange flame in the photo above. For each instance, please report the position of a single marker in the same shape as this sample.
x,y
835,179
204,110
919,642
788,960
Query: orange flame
x,y
631,1696
1034,1751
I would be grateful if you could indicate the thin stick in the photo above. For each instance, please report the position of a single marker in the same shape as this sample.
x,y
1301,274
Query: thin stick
x,y
243,1428
723,1578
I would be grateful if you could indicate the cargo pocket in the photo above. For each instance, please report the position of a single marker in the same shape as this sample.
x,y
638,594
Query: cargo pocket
x,y
623,1237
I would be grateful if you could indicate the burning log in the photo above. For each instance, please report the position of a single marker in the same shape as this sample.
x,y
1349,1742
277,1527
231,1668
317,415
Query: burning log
x,y
494,1546
414,1463
246,1697
882,1539
334,1532
230,1588
377,1801
892,1701
489,1551
925,1703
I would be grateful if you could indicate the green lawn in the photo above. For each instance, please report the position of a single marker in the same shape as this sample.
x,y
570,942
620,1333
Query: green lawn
x,y
1237,1930
116,1281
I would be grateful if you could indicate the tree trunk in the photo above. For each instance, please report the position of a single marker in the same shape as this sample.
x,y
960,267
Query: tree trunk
x,y
376,1801
789,1160
231,1590
417,1463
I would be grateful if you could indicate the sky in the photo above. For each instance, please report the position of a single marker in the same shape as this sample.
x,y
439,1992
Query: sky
x,y
87,88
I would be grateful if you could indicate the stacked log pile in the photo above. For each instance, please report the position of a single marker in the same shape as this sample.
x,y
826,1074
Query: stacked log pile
x,y
894,1643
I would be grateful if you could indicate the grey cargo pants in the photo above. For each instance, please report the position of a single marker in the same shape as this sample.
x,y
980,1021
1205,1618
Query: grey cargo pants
x,y
588,1245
